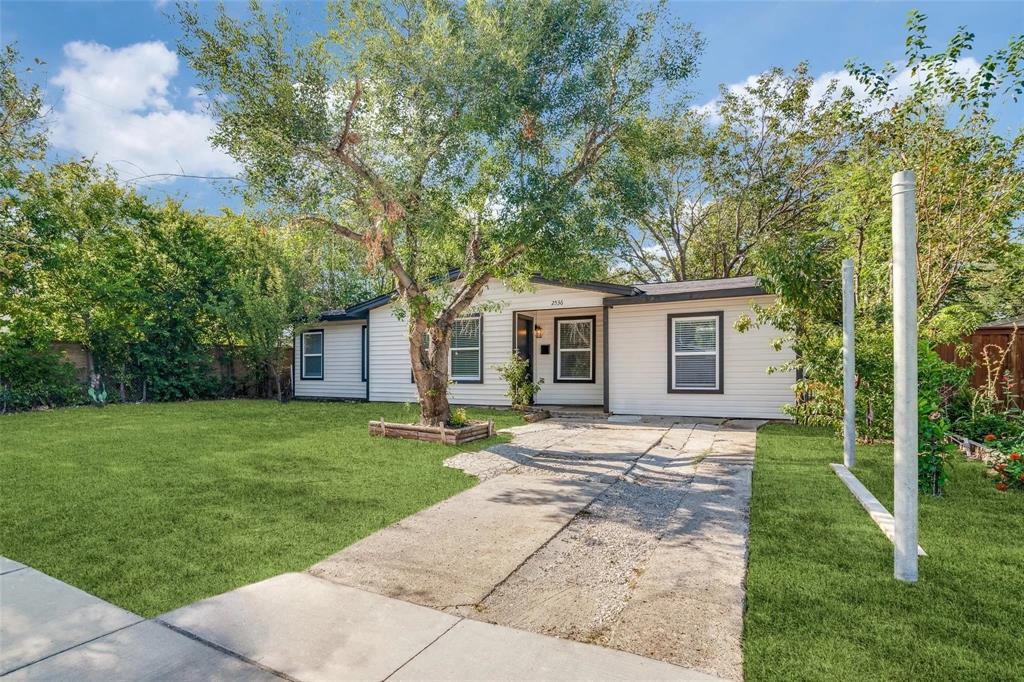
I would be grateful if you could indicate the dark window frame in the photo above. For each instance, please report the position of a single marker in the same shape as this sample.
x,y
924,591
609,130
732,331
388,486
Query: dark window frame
x,y
670,352
593,348
302,355
480,362
364,355
480,316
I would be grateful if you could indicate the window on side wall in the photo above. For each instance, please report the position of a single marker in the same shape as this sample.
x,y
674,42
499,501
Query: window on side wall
x,y
695,353
313,355
574,349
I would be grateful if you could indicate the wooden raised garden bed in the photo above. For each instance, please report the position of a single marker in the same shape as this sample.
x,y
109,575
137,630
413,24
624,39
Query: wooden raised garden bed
x,y
433,434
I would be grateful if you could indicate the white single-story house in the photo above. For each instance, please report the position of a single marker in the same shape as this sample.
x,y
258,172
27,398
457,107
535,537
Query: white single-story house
x,y
651,349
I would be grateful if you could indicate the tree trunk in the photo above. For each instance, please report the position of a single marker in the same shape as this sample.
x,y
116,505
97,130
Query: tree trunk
x,y
430,370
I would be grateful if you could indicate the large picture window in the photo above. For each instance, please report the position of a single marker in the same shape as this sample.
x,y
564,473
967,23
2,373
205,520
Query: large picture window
x,y
695,353
312,354
574,349
465,357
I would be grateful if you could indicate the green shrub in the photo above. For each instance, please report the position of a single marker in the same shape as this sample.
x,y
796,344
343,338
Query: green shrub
x,y
515,373
36,377
459,418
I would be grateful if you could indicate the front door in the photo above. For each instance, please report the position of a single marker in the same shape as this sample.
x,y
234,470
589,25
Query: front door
x,y
524,342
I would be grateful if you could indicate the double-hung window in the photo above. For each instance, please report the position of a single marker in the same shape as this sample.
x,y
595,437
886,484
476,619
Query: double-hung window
x,y
695,353
312,354
574,349
465,357
466,353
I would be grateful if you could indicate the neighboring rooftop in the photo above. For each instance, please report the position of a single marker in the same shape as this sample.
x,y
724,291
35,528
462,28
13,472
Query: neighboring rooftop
x,y
1006,322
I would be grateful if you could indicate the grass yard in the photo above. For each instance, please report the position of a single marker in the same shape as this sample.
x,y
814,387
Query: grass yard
x,y
822,603
154,506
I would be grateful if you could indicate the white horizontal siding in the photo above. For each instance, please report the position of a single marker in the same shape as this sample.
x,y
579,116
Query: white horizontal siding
x,y
562,393
390,368
343,356
638,364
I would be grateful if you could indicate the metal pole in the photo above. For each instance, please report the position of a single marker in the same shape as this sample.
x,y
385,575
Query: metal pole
x,y
849,404
904,314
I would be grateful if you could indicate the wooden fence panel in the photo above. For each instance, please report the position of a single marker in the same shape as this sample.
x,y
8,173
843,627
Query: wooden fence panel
x,y
987,346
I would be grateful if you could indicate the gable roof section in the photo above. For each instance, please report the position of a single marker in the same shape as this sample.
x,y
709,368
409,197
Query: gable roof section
x,y
359,310
620,294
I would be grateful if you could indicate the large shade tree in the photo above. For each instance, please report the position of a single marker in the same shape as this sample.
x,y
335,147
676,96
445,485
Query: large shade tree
x,y
439,135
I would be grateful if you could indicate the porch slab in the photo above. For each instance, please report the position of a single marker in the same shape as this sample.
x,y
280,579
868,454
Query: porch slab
x,y
144,651
312,630
41,616
480,651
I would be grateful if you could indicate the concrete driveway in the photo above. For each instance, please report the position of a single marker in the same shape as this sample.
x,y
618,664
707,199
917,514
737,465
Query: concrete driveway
x,y
628,535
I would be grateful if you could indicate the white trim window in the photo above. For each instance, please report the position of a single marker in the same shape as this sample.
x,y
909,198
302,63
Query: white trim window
x,y
574,343
696,353
313,355
465,356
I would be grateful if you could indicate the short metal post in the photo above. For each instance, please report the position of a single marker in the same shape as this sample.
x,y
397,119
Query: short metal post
x,y
849,371
904,314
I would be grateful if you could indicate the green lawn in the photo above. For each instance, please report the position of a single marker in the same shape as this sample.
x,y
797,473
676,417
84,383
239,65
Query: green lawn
x,y
154,506
821,600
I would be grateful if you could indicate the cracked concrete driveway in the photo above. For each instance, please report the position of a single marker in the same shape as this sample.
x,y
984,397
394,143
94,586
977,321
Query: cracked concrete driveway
x,y
632,536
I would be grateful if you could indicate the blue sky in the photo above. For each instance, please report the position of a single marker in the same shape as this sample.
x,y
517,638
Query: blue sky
x,y
118,91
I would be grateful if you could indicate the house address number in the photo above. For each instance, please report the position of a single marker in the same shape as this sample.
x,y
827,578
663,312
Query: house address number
x,y
557,301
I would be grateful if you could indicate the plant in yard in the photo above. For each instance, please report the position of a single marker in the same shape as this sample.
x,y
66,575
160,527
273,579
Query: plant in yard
x,y
439,136
97,391
937,381
521,388
459,418
1008,470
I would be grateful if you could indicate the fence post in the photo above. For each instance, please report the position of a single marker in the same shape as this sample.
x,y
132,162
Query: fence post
x,y
904,315
849,369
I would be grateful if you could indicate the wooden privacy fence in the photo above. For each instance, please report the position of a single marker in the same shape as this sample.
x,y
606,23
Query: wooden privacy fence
x,y
997,355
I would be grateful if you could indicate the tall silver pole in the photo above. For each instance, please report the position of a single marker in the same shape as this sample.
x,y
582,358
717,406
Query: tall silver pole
x,y
849,404
904,315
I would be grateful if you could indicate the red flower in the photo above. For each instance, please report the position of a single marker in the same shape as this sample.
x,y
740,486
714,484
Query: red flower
x,y
989,437
1000,466
1001,486
1021,477
1015,455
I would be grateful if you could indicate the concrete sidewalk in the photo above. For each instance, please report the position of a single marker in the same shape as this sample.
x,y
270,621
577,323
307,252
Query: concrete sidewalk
x,y
294,626
50,630
311,629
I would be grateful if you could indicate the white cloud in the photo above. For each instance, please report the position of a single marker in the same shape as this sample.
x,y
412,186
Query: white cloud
x,y
116,105
903,81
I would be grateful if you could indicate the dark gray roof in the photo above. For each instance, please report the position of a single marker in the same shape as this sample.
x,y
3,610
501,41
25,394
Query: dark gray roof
x,y
340,314
690,290
622,294
693,285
